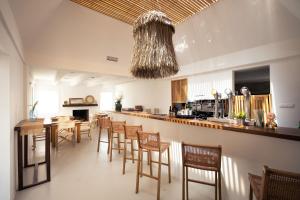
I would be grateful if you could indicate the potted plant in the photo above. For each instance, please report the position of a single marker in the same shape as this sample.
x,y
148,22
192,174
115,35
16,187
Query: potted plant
x,y
118,104
241,116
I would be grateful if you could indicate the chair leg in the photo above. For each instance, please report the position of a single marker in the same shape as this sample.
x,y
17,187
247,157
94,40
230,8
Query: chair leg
x,y
183,183
220,185
111,146
33,142
124,157
169,165
187,182
99,138
132,151
159,175
251,193
216,186
150,160
138,172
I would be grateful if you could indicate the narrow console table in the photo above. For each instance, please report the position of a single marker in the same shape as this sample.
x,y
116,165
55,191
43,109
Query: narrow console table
x,y
24,155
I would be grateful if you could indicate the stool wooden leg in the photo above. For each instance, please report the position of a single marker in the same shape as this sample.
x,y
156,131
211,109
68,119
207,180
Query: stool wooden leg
x,y
108,140
159,175
132,151
216,186
111,146
99,137
187,182
150,160
142,159
251,193
138,172
124,158
119,145
169,165
220,183
183,183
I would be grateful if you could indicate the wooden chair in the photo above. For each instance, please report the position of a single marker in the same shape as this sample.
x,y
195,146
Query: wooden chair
x,y
117,127
104,123
65,129
85,128
131,135
203,158
275,184
150,142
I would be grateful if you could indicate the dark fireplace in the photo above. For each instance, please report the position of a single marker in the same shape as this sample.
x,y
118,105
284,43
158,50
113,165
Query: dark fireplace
x,y
82,115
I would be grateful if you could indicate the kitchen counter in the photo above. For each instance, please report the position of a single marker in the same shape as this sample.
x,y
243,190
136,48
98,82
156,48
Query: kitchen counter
x,y
279,132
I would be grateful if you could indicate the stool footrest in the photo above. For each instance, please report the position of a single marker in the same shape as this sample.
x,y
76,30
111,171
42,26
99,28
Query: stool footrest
x,y
149,176
201,182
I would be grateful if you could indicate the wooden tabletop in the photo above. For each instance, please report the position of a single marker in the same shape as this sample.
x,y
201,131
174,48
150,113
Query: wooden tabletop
x,y
279,132
47,122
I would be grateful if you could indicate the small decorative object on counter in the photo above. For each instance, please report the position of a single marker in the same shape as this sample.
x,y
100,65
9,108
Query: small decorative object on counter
x,y
241,117
32,116
260,118
271,120
118,104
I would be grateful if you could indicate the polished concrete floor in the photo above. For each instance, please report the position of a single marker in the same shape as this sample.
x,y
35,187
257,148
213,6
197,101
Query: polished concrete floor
x,y
79,172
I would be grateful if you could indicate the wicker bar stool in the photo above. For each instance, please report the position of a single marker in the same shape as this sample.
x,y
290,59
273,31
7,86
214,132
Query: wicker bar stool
x,y
150,142
275,184
203,158
131,135
104,123
117,127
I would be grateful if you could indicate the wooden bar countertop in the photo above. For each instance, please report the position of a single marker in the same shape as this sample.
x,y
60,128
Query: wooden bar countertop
x,y
279,132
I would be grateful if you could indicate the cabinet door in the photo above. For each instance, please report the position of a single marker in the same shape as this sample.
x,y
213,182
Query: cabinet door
x,y
183,90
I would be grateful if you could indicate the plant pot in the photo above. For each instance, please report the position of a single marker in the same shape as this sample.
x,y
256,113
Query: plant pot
x,y
118,107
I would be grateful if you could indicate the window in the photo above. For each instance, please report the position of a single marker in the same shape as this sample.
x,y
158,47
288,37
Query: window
x,y
48,102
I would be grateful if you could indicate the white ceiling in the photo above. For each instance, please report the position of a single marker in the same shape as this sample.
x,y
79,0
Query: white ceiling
x,y
62,35
73,78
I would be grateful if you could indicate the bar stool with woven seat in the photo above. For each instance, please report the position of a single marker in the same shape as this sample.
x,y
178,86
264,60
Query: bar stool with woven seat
x,y
150,142
104,123
117,127
131,135
203,158
275,184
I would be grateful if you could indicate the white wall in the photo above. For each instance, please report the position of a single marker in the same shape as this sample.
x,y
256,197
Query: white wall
x,y
64,92
148,93
12,97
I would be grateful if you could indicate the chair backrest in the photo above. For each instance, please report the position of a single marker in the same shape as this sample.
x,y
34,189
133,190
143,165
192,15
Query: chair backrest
x,y
281,185
131,131
199,156
62,118
32,127
104,122
117,126
66,124
148,140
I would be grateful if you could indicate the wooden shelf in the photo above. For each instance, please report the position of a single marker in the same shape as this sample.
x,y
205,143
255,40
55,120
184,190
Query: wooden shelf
x,y
80,105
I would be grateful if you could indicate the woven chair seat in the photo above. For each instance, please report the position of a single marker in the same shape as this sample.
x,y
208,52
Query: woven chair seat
x,y
153,146
255,182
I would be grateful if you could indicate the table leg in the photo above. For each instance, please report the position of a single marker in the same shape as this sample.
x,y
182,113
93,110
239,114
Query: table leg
x,y
25,150
53,137
47,150
20,161
78,133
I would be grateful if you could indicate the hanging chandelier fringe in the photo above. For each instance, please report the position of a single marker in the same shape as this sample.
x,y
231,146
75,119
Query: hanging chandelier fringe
x,y
153,56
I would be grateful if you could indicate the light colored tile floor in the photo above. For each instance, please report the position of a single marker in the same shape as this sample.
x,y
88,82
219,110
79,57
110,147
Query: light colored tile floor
x,y
80,173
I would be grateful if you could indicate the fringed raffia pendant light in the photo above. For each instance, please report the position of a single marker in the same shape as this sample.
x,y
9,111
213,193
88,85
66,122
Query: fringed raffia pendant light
x,y
153,51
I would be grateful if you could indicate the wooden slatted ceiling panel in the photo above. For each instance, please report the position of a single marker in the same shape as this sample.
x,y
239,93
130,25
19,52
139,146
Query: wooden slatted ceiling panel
x,y
128,10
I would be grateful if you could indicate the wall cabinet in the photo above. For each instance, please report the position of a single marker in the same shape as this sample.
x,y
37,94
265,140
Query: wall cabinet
x,y
179,91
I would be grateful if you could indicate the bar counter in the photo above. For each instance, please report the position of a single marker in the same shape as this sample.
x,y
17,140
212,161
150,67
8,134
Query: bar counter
x,y
244,149
279,132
